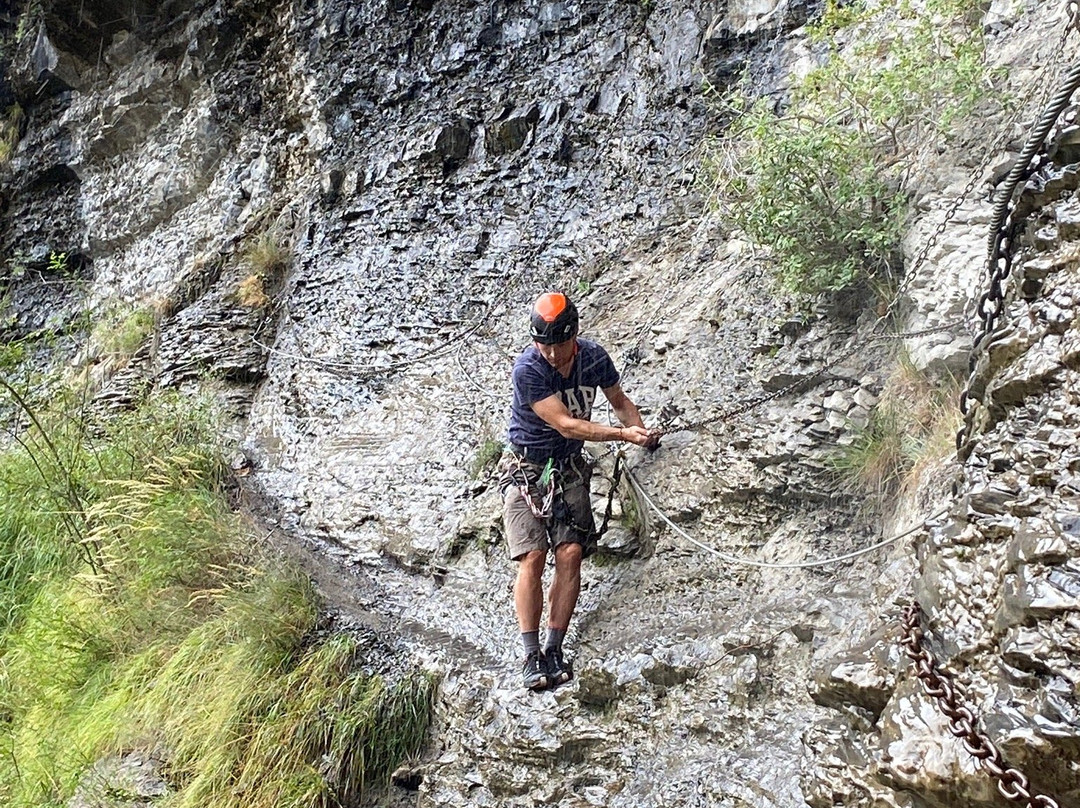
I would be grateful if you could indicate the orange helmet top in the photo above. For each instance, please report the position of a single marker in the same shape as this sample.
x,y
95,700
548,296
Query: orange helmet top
x,y
553,319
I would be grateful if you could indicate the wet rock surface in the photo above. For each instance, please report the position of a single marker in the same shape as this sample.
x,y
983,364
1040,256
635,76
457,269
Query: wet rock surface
x,y
431,168
998,575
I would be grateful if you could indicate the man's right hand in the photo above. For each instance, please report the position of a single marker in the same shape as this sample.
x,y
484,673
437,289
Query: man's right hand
x,y
640,436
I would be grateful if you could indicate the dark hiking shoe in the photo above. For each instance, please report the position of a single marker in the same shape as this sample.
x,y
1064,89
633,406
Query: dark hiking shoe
x,y
558,669
535,671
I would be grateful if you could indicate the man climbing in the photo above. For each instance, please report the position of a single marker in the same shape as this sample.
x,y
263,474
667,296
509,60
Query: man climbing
x,y
545,481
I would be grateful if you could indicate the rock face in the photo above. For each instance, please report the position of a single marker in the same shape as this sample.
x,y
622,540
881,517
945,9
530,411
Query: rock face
x,y
427,169
131,781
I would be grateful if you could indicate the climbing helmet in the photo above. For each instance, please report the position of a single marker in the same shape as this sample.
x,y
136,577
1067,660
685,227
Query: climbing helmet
x,y
553,319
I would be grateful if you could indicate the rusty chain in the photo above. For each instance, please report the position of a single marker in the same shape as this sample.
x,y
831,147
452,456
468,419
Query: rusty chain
x,y
1011,783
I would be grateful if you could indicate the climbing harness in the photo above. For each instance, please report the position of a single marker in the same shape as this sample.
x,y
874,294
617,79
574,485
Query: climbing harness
x,y
937,682
544,492
546,486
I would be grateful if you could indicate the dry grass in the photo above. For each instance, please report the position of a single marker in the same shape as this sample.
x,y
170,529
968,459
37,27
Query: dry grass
x,y
911,429
10,125
266,258
252,293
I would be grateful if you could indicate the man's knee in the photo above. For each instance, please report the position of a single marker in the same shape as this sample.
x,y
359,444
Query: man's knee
x,y
531,564
568,554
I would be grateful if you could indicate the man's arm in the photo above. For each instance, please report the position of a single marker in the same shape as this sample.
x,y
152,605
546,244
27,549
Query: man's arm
x,y
556,415
624,408
627,412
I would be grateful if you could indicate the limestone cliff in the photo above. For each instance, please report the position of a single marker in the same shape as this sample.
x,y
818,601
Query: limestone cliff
x,y
431,166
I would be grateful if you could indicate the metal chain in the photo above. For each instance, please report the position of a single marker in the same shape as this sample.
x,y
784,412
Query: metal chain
x,y
616,476
950,212
1073,11
1005,226
754,403
1006,222
757,401
1011,783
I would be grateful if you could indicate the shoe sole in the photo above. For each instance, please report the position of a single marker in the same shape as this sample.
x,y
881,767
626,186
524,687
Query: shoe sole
x,y
539,684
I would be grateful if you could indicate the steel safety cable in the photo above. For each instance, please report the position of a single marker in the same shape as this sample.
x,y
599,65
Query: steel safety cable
x,y
748,562
1031,147
1000,248
1051,64
999,240
343,366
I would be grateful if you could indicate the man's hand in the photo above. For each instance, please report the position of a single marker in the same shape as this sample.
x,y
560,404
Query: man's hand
x,y
640,436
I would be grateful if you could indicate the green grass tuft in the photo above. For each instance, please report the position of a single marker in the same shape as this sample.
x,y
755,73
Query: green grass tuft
x,y
149,620
487,455
266,258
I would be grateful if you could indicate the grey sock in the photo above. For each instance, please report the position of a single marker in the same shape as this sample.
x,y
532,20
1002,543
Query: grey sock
x,y
531,641
554,638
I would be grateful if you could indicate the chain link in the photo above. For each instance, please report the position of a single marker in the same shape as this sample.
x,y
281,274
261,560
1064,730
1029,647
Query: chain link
x,y
1073,13
757,401
1005,227
937,682
950,212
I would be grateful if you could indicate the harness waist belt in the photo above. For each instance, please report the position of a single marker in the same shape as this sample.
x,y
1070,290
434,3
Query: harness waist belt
x,y
538,456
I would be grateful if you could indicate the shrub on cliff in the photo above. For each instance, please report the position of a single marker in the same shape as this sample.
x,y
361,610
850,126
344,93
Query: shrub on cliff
x,y
820,178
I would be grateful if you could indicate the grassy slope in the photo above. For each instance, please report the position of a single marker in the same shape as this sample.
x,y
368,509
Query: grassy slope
x,y
135,615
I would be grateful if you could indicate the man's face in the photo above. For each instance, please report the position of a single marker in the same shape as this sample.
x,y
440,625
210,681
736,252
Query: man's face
x,y
558,354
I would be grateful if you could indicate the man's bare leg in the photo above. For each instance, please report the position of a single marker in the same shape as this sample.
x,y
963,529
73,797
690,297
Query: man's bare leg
x,y
529,603
563,600
565,586
529,590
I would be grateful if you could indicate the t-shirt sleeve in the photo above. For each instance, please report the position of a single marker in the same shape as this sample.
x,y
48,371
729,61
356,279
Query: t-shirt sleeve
x,y
530,385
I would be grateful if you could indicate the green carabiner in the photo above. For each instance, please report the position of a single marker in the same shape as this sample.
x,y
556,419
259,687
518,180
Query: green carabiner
x,y
545,477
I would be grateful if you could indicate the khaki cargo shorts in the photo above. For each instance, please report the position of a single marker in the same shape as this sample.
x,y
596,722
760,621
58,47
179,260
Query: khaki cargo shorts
x,y
572,515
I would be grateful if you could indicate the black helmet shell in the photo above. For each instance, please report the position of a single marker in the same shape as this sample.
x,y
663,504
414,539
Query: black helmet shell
x,y
554,319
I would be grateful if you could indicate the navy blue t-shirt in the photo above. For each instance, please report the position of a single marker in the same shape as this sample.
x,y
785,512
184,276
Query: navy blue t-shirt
x,y
535,380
